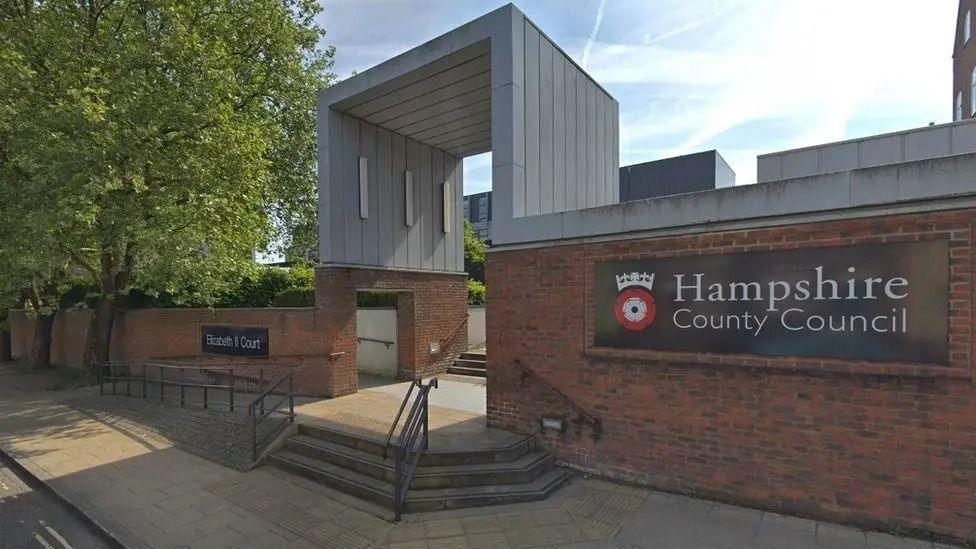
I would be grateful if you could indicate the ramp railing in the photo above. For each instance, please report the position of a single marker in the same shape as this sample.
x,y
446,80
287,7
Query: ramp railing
x,y
411,444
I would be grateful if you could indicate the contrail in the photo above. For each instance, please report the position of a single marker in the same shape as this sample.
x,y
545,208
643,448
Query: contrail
x,y
596,29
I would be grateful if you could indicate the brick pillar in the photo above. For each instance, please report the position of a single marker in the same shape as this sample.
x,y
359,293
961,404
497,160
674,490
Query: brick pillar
x,y
335,318
406,336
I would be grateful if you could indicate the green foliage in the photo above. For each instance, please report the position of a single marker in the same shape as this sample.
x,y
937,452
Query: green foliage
x,y
475,253
376,299
154,143
295,297
476,292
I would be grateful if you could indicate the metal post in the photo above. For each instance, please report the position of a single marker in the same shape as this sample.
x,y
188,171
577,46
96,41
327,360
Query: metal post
x,y
182,390
162,394
204,397
261,383
231,389
254,438
128,384
426,394
291,396
101,381
143,380
397,473
111,374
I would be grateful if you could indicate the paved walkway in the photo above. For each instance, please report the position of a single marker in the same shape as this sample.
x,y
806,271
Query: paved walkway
x,y
152,494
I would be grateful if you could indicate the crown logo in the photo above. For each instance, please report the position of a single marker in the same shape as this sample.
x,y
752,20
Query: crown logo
x,y
635,279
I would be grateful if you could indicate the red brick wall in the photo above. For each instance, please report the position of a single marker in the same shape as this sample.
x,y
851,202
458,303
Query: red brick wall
x,y
429,308
174,334
890,446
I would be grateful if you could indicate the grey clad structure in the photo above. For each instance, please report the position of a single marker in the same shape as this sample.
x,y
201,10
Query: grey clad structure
x,y
676,175
391,140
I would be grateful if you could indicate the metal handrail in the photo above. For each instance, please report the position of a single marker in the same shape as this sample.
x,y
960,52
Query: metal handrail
x,y
258,412
161,380
372,340
415,428
453,333
593,420
396,420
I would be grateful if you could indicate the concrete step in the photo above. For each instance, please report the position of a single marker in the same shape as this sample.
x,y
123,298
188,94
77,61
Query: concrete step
x,y
466,371
524,469
470,363
418,500
475,355
433,457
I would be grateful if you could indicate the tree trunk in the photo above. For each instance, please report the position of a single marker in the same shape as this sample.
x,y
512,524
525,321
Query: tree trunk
x,y
100,332
41,352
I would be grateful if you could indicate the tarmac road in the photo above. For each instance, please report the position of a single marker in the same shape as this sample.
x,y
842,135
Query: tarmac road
x,y
33,518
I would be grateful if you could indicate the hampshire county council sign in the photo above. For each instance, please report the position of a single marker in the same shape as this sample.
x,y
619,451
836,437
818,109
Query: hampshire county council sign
x,y
884,302
231,340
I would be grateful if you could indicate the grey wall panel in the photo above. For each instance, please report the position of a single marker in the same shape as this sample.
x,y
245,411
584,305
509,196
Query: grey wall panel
x,y
559,132
335,227
532,122
569,115
350,186
437,208
383,239
592,190
384,197
426,207
370,226
546,160
400,233
415,238
601,151
582,174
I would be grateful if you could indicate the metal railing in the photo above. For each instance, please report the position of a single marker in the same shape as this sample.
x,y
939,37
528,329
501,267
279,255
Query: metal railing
x,y
396,420
208,379
453,333
373,340
182,376
411,444
582,415
258,411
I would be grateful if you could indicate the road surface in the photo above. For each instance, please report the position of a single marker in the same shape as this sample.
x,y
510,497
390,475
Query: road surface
x,y
33,518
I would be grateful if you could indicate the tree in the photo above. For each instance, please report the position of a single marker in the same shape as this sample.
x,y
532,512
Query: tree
x,y
172,137
475,253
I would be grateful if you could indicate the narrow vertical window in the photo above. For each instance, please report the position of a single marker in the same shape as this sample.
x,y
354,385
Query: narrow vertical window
x,y
447,206
408,198
967,27
972,93
363,189
957,115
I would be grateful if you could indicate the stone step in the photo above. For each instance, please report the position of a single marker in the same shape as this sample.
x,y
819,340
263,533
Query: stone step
x,y
419,500
475,355
468,363
433,457
465,371
524,469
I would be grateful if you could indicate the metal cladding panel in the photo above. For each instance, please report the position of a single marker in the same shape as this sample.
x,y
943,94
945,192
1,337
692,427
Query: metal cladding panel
x,y
383,238
571,142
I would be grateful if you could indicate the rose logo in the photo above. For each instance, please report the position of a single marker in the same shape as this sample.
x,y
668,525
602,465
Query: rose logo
x,y
634,307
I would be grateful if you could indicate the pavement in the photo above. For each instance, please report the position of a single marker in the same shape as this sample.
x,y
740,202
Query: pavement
x,y
148,491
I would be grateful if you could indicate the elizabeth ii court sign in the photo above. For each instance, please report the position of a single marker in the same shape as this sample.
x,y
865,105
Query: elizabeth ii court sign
x,y
883,302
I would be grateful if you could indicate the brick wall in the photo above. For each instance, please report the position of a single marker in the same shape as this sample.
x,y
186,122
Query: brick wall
x,y
430,308
174,334
888,446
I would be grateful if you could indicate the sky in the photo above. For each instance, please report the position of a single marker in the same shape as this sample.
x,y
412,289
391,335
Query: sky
x,y
745,77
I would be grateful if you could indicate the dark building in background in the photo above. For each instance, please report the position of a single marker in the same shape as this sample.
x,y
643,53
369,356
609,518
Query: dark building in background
x,y
964,63
675,175
477,210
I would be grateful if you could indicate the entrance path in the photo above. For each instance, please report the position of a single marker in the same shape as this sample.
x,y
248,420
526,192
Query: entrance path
x,y
149,493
